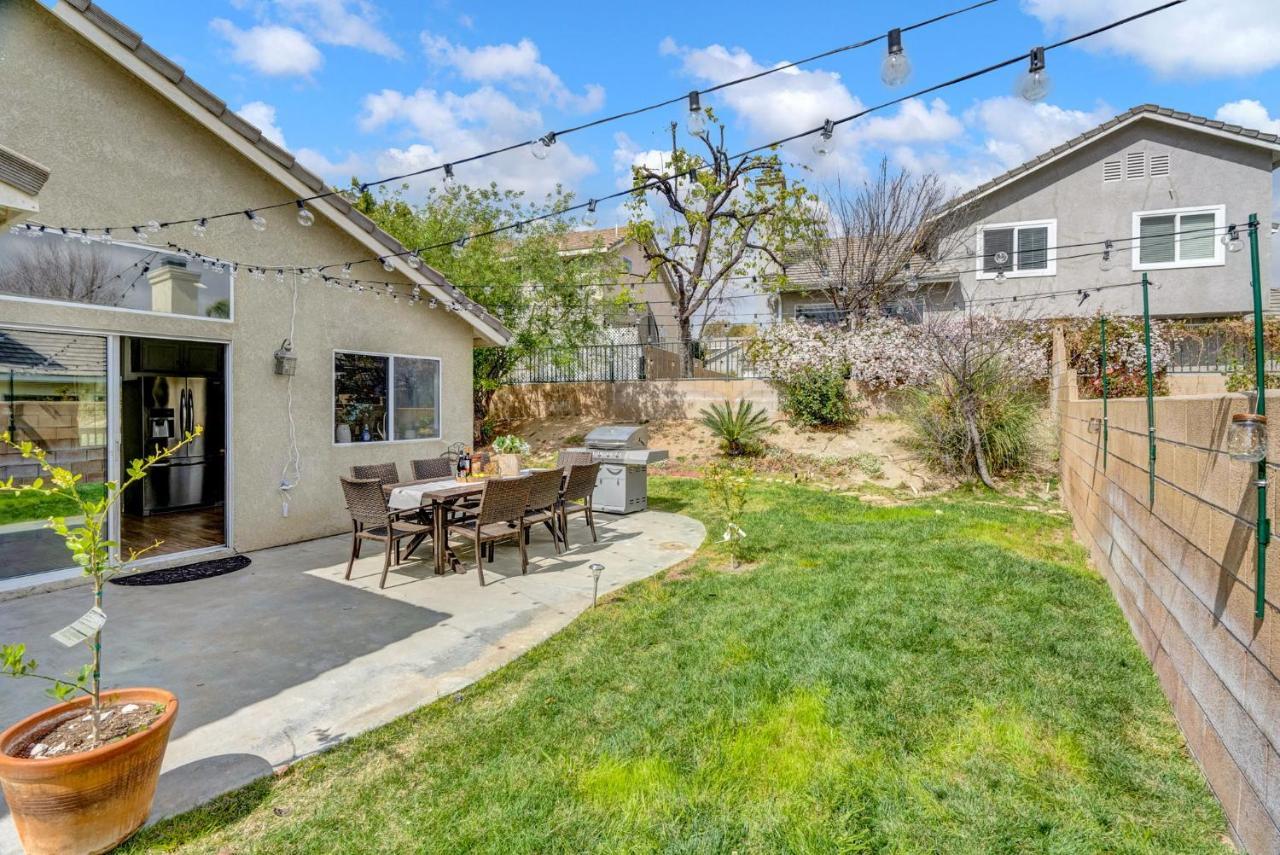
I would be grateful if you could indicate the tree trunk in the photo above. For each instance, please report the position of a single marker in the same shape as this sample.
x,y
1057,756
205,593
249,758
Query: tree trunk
x,y
481,399
970,410
686,348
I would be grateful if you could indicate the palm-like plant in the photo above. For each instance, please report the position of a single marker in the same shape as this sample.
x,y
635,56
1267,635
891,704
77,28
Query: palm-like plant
x,y
741,429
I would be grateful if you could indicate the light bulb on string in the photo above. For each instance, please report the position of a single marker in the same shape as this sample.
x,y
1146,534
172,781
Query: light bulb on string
x,y
414,260
895,68
201,227
1034,84
1105,263
449,180
279,276
305,217
346,270
387,265
590,218
541,147
459,246
1231,240
697,121
823,144
151,227
139,235
256,220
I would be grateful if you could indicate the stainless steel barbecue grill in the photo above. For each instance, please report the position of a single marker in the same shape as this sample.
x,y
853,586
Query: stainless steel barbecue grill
x,y
623,454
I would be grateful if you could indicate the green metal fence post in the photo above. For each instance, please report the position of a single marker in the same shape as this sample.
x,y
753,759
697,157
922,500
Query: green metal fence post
x,y
1102,370
1151,405
1260,407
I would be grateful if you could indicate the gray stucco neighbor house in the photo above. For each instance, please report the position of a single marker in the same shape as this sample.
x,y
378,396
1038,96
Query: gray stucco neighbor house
x,y
1162,185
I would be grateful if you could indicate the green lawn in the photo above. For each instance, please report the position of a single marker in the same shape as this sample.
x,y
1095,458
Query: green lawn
x,y
15,507
943,677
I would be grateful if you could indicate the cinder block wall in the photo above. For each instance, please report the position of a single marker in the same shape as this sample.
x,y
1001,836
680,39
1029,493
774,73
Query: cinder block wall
x,y
1182,569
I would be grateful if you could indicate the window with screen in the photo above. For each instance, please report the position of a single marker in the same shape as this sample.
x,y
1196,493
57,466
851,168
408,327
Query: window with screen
x,y
1186,237
1017,249
385,398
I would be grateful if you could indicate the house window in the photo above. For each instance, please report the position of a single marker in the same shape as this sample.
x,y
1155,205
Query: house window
x,y
1018,249
1181,237
818,313
385,398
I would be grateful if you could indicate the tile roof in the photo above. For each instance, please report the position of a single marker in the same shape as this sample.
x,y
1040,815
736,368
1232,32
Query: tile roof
x,y
219,110
595,239
21,172
1141,110
35,352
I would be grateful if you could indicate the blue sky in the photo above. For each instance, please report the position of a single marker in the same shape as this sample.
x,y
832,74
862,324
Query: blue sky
x,y
372,87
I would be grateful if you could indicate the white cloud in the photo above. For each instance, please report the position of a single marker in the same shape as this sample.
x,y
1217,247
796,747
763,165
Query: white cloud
x,y
518,65
1248,113
1205,38
626,154
1016,130
914,122
270,49
440,127
336,172
347,23
263,115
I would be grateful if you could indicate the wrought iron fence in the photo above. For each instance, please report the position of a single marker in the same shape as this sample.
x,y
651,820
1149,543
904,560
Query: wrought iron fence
x,y
1215,353
700,359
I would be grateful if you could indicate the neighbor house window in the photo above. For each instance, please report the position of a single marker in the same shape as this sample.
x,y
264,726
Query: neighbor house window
x,y
1181,237
384,398
1018,249
818,313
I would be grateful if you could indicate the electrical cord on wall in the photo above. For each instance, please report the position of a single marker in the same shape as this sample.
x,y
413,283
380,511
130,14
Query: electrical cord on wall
x,y
291,475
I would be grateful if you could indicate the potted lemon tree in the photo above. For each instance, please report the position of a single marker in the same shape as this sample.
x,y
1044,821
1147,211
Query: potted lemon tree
x,y
79,776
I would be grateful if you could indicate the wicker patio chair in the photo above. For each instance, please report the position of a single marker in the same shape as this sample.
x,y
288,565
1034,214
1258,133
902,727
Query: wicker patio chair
x,y
565,459
544,500
500,516
371,520
387,473
575,498
432,467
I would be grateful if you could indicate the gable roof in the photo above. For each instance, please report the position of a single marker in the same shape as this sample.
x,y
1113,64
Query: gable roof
x,y
596,239
169,79
1151,112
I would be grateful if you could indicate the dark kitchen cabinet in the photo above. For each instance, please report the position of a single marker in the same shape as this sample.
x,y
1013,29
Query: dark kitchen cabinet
x,y
187,358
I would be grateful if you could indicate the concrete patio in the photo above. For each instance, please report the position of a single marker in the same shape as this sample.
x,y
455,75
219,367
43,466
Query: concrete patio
x,y
284,658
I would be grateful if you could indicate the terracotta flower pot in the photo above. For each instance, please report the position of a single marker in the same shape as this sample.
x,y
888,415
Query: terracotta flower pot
x,y
91,801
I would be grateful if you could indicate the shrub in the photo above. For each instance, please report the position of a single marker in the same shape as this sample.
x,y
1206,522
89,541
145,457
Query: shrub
x,y
741,430
869,463
510,444
1007,417
815,397
1246,381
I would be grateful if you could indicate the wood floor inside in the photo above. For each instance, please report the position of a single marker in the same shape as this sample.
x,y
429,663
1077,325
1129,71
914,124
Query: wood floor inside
x,y
178,531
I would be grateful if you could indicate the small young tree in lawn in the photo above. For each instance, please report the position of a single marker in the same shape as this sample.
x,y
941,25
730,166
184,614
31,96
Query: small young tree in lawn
x,y
718,217
867,242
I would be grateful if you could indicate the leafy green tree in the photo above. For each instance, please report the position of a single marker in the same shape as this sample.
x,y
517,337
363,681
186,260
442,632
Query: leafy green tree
x,y
543,297
731,217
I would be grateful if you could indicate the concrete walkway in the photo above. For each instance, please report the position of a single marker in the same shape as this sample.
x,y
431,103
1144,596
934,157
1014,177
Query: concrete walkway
x,y
284,658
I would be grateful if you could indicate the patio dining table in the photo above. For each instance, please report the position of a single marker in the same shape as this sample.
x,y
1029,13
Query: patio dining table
x,y
439,494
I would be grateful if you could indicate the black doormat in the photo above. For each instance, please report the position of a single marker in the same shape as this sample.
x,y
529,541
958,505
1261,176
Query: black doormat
x,y
187,572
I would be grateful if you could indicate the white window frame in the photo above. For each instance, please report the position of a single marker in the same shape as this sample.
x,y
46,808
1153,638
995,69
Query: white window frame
x,y
391,397
1219,251
1051,239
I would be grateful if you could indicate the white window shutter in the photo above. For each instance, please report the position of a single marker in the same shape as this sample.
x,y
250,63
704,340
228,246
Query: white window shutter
x,y
1111,171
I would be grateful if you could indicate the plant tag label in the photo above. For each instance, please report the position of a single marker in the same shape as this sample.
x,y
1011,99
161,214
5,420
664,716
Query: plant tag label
x,y
733,532
84,628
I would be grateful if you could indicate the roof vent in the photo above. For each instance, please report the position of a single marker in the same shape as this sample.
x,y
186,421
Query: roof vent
x,y
1135,165
1159,165
1111,171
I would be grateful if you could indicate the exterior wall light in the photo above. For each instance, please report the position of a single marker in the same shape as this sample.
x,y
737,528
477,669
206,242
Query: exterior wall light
x,y
1247,437
286,359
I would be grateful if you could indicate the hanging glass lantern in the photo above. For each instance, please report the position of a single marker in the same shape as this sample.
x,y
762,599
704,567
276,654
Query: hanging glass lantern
x,y
1247,437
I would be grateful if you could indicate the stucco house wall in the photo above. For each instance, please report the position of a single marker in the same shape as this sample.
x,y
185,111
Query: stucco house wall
x,y
1205,170
120,153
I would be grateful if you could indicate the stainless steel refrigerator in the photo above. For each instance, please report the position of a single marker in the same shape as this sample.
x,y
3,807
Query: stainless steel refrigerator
x,y
172,408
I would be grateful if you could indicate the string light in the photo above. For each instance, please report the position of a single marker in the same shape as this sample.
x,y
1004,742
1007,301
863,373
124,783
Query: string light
x,y
1231,240
305,217
541,147
590,218
387,264
895,68
346,271
1034,84
201,227
1104,263
823,145
449,181
696,123
258,221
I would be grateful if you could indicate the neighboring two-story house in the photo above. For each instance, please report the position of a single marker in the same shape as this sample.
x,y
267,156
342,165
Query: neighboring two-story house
x,y
653,313
1161,185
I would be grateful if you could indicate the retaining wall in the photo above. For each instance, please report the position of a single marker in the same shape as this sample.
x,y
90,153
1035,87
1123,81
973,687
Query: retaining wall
x,y
1182,569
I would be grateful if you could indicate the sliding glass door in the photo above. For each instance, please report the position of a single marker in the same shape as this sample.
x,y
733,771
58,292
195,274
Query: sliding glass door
x,y
55,392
